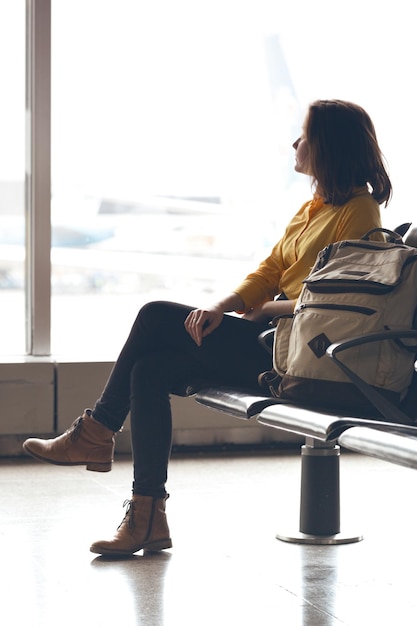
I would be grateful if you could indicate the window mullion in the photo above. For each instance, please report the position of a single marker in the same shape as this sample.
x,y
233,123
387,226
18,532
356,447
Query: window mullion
x,y
38,177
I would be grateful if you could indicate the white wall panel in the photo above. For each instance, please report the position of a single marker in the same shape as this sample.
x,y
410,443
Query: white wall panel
x,y
32,390
26,397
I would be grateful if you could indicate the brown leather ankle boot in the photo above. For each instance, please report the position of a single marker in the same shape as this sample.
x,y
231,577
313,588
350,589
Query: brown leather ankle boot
x,y
144,527
86,442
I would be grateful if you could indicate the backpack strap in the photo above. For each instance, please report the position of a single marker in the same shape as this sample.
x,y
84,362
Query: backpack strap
x,y
393,237
390,412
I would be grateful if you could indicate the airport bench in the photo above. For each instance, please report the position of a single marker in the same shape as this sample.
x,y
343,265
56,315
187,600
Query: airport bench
x,y
324,433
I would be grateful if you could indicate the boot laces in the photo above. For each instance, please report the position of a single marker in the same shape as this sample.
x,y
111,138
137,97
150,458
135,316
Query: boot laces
x,y
75,429
129,515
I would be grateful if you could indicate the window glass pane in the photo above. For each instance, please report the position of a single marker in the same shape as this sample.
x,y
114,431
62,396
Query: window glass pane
x,y
172,127
12,174
171,151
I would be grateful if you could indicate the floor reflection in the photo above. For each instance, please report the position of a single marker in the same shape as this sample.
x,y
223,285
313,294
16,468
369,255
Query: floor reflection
x,y
225,567
137,584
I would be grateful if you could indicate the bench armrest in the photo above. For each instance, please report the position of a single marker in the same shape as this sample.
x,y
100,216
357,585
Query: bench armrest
x,y
266,339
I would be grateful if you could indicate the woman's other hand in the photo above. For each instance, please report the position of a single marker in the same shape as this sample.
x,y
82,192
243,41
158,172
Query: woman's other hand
x,y
269,310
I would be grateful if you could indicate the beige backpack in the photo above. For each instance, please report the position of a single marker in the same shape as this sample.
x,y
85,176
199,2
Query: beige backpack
x,y
356,287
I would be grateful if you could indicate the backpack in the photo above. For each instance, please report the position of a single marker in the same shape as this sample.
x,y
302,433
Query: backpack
x,y
356,287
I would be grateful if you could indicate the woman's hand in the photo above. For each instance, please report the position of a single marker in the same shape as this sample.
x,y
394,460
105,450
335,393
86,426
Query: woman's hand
x,y
201,322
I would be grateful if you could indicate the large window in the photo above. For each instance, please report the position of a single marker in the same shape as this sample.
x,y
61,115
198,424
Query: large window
x,y
172,125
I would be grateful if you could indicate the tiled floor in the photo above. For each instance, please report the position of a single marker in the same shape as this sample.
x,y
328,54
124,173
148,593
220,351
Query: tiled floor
x,y
226,567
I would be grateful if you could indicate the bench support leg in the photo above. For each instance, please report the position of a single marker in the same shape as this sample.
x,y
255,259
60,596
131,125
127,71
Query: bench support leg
x,y
320,496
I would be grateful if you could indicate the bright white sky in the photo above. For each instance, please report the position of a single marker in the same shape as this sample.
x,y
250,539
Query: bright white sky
x,y
173,96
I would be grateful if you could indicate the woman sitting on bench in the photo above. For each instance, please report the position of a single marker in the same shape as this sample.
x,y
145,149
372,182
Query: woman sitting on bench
x,y
171,345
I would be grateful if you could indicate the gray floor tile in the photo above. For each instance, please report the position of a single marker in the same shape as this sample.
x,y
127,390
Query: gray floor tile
x,y
226,566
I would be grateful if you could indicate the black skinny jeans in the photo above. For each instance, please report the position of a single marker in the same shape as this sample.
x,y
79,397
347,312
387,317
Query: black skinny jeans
x,y
158,357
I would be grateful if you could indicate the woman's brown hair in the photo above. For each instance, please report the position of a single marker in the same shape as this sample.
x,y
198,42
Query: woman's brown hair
x,y
344,152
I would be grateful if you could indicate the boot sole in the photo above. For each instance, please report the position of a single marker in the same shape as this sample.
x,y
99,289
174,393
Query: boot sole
x,y
154,546
93,466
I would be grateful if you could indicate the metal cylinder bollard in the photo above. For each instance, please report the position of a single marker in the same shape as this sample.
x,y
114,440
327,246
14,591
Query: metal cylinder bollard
x,y
320,493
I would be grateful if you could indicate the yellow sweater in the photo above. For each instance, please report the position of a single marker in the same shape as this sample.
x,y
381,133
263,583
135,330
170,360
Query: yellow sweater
x,y
315,226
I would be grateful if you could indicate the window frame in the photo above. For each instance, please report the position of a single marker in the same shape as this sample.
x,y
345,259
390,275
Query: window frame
x,y
38,178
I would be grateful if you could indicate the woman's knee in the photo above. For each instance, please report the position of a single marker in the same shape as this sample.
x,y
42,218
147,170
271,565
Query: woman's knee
x,y
161,313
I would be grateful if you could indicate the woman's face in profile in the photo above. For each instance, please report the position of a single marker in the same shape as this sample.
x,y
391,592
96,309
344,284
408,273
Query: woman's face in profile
x,y
302,152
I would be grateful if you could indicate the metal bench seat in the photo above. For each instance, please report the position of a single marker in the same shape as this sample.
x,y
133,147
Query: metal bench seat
x,y
323,426
239,403
395,448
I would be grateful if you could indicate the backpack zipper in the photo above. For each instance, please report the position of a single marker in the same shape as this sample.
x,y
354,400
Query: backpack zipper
x,y
339,285
364,310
